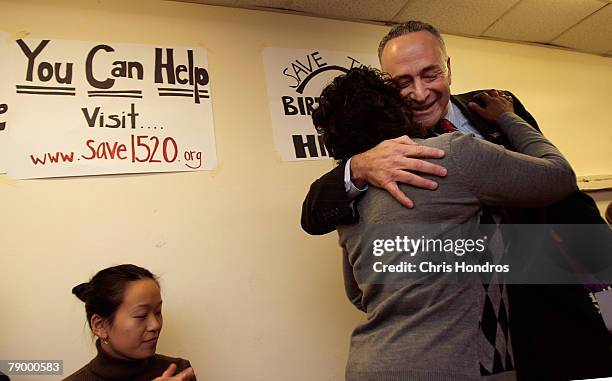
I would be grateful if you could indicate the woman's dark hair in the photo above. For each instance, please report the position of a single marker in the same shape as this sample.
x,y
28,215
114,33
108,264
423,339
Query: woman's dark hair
x,y
360,109
103,294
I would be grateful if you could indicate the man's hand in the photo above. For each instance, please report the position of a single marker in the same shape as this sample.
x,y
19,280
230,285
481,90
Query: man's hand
x,y
496,103
389,162
168,375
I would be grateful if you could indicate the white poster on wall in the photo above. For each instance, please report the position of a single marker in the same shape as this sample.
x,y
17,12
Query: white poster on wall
x,y
5,93
295,78
86,108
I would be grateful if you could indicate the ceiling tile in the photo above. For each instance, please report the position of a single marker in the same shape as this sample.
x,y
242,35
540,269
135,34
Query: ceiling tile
x,y
467,17
541,20
382,10
594,34
515,20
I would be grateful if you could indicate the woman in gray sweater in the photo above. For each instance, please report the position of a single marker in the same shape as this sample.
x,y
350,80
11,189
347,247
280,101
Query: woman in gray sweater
x,y
427,327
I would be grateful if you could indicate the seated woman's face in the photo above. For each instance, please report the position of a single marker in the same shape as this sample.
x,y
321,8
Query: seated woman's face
x,y
138,321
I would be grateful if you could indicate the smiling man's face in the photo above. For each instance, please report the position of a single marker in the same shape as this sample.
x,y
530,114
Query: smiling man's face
x,y
422,70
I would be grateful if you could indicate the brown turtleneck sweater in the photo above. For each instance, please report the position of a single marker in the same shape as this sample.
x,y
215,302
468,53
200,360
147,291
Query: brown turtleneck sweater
x,y
106,368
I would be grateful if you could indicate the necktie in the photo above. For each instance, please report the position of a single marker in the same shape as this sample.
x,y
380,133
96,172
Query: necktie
x,y
444,126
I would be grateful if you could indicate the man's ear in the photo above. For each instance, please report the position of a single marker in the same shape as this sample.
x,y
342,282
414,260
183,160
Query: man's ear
x,y
99,326
448,67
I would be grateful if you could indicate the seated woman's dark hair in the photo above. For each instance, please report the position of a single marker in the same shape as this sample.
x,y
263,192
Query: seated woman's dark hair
x,y
360,109
103,294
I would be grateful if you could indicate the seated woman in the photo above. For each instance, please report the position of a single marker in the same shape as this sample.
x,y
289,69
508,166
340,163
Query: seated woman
x,y
124,310
432,329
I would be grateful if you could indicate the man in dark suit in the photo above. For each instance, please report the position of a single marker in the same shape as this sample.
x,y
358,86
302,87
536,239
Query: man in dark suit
x,y
556,332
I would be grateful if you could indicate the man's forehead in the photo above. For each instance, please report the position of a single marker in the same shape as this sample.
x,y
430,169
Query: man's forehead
x,y
412,53
421,40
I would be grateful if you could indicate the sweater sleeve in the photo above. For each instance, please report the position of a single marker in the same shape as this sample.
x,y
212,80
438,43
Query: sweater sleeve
x,y
183,364
536,175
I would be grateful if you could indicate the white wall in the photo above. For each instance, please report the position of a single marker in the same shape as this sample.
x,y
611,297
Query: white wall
x,y
247,294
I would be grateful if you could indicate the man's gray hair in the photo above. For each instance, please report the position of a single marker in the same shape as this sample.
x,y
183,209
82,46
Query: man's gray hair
x,y
410,27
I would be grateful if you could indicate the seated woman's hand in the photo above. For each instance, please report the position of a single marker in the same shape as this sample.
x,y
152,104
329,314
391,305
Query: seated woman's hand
x,y
169,375
495,103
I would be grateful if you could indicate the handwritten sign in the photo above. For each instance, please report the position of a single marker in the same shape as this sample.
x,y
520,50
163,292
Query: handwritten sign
x,y
5,94
82,108
295,78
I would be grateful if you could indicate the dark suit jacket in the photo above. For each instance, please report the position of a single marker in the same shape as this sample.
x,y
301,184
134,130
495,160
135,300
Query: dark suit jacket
x,y
556,332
